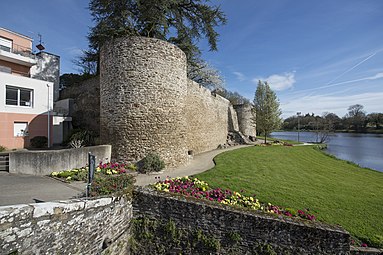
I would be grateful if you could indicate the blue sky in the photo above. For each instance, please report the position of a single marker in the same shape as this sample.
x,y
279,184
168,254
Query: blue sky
x,y
319,56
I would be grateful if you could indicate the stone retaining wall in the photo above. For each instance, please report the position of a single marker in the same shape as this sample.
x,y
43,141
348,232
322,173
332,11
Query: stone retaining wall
x,y
109,226
74,227
283,235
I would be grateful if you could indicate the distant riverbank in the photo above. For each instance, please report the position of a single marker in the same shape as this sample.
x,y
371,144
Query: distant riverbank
x,y
367,131
363,149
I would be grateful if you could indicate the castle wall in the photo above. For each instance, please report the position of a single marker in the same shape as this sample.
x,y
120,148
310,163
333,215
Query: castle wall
x,y
246,122
143,86
207,118
233,119
86,105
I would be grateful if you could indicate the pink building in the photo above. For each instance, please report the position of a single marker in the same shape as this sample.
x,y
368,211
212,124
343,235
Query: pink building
x,y
24,101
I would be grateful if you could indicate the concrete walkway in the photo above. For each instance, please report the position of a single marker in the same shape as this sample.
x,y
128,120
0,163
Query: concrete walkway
x,y
25,189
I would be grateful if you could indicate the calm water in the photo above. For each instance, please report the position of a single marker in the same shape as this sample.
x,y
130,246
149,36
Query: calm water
x,y
363,149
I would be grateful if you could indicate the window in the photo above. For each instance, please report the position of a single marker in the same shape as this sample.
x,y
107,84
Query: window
x,y
20,129
5,44
18,96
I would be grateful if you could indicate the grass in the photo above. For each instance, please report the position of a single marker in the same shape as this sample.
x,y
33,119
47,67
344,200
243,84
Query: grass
x,y
281,140
302,177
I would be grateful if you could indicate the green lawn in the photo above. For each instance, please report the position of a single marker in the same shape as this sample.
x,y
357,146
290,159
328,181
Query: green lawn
x,y
303,177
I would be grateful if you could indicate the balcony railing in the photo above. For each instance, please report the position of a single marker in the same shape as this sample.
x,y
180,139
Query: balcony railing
x,y
19,50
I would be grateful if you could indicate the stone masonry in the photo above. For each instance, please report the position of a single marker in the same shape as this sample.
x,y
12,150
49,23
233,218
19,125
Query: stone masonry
x,y
246,119
143,87
147,104
103,226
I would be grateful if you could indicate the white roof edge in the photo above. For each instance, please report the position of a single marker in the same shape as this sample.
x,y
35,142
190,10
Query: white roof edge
x,y
15,33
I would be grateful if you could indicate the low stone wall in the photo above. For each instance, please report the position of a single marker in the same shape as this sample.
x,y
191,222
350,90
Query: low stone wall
x,y
74,227
159,223
46,161
252,231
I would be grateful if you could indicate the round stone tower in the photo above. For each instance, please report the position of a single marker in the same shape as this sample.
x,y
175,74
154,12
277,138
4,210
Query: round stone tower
x,y
245,117
143,86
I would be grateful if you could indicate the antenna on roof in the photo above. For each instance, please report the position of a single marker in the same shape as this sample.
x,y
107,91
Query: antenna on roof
x,y
40,45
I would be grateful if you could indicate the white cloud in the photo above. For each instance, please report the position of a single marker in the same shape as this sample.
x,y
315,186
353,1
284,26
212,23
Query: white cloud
x,y
373,77
240,76
318,104
279,82
74,51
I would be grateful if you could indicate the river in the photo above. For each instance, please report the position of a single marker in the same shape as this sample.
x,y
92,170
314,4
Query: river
x,y
365,150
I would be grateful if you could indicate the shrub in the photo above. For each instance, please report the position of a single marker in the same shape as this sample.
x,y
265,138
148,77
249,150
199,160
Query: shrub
x,y
39,142
85,137
2,148
112,184
151,163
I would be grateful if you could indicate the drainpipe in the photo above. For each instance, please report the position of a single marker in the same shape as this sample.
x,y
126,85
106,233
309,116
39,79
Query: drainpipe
x,y
49,121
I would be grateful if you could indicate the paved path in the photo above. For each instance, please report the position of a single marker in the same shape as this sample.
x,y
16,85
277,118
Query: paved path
x,y
24,189
198,164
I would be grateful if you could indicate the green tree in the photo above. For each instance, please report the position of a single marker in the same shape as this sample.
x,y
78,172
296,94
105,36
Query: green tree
x,y
181,22
266,108
375,119
356,116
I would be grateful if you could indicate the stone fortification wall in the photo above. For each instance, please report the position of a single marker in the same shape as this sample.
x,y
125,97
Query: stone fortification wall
x,y
86,107
233,119
74,227
207,118
143,85
246,122
223,230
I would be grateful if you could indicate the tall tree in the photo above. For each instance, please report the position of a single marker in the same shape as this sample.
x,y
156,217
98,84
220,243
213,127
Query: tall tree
x,y
182,22
267,109
356,116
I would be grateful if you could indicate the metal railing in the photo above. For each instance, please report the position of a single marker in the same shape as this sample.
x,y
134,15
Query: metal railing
x,y
4,162
19,50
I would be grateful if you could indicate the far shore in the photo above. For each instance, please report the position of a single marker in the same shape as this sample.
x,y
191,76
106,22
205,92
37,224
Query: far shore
x,y
368,131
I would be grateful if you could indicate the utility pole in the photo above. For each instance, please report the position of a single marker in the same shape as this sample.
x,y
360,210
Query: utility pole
x,y
49,120
298,114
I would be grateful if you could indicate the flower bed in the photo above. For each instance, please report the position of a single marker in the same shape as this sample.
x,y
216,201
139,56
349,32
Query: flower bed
x,y
201,190
81,174
109,178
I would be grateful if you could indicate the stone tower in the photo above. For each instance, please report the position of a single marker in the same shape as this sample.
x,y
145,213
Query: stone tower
x,y
143,87
245,115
